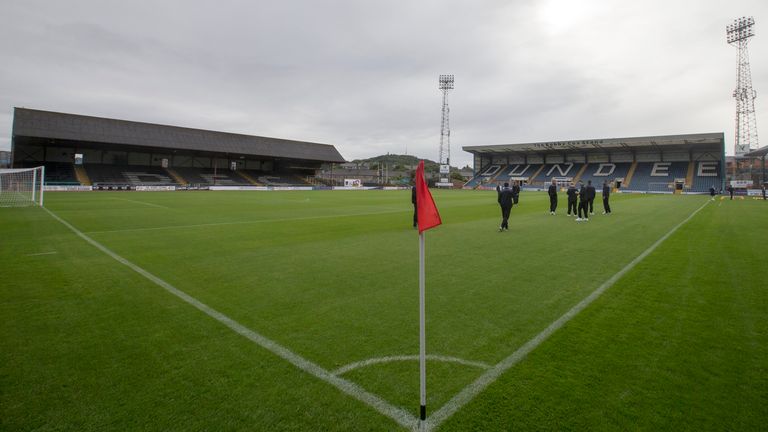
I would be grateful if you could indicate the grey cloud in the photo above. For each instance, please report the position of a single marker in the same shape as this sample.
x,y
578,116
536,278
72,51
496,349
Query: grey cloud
x,y
362,75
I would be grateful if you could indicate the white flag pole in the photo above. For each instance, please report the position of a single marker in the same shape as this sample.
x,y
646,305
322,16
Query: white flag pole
x,y
422,335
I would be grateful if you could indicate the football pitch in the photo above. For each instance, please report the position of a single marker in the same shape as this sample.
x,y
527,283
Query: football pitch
x,y
299,311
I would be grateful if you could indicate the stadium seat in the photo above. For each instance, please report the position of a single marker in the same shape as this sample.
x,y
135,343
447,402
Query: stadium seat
x,y
134,175
560,170
209,176
599,172
703,177
657,176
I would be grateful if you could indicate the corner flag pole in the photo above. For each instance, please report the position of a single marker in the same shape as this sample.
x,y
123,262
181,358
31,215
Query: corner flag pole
x,y
427,217
422,334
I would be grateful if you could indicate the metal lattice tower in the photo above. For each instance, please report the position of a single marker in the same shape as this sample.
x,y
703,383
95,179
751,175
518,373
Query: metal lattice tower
x,y
738,35
445,84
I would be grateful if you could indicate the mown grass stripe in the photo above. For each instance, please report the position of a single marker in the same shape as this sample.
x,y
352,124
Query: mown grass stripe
x,y
397,414
142,203
245,222
490,376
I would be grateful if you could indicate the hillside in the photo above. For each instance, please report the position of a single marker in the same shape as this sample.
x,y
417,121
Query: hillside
x,y
403,162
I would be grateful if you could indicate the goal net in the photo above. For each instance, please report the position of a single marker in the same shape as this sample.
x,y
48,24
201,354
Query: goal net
x,y
665,187
21,187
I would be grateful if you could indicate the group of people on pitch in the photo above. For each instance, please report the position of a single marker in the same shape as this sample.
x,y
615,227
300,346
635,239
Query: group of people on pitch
x,y
585,196
586,199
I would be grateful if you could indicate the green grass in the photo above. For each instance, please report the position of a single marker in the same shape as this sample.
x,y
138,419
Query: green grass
x,y
679,343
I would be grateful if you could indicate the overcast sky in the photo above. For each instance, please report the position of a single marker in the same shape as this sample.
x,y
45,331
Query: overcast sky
x,y
362,75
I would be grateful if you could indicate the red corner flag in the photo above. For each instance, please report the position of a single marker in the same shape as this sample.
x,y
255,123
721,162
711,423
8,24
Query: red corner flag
x,y
426,211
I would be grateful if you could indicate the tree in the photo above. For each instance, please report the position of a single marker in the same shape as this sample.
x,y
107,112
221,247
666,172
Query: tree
x,y
455,175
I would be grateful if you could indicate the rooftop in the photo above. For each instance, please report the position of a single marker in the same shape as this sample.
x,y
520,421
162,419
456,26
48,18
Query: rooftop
x,y
605,144
62,126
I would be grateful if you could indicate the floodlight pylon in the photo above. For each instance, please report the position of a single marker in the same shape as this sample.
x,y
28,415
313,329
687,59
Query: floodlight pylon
x,y
445,83
738,34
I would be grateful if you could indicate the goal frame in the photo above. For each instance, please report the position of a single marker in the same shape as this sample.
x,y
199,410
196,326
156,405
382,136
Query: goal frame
x,y
29,190
660,188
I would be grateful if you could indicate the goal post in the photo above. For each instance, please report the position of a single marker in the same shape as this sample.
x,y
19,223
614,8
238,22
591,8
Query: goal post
x,y
21,187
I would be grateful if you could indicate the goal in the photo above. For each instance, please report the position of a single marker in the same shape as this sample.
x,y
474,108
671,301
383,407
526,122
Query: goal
x,y
665,187
21,187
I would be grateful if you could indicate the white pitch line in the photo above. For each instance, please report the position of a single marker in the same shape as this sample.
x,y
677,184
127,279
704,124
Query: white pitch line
x,y
141,202
364,363
399,415
42,253
491,375
169,227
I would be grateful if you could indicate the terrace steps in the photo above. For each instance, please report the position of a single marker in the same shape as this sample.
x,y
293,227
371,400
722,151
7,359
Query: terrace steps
x,y
530,179
248,178
580,173
628,178
689,175
176,177
82,176
495,176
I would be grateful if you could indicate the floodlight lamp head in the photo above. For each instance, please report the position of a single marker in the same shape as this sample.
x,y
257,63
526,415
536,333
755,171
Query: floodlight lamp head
x,y
741,29
446,82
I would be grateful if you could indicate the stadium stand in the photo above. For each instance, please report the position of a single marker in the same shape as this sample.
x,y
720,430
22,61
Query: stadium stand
x,y
706,174
209,176
105,174
56,173
126,153
279,179
473,182
512,172
665,163
60,173
484,176
248,177
518,171
598,172
558,170
141,175
176,177
657,176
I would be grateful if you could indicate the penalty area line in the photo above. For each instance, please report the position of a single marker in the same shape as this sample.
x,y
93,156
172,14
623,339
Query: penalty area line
x,y
399,415
490,376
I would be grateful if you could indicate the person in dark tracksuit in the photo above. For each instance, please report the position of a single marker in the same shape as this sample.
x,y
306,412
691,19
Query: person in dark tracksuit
x,y
712,192
730,191
606,194
591,193
572,194
415,213
505,201
515,192
583,203
552,191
